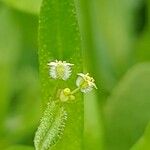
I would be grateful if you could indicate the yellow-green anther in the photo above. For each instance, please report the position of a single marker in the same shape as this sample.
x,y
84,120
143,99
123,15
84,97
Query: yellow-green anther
x,y
67,91
85,83
64,95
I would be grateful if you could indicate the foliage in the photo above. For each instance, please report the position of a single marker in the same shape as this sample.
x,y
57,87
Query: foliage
x,y
108,39
143,142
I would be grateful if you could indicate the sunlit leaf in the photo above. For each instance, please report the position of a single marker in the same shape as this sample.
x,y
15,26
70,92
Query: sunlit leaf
x,y
59,38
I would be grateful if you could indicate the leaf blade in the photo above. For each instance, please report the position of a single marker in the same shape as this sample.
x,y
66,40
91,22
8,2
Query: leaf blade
x,y
143,142
59,38
127,110
29,6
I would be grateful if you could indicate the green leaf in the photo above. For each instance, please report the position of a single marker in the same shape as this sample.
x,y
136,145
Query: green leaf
x,y
93,128
29,6
127,110
51,128
20,147
20,124
9,52
142,42
59,38
108,36
143,143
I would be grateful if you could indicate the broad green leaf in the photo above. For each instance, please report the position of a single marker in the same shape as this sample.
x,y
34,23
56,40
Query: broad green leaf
x,y
20,147
127,110
29,6
144,142
59,38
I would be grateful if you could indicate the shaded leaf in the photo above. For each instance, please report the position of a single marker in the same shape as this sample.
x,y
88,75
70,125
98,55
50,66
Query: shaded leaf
x,y
127,110
143,143
9,52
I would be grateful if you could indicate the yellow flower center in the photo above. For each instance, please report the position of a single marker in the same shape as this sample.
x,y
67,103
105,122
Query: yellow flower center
x,y
60,70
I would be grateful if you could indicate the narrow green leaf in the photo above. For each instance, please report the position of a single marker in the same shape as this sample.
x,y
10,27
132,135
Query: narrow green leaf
x,y
127,110
51,127
20,147
59,38
93,128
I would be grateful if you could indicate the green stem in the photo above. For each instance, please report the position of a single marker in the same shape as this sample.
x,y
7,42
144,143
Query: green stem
x,y
75,91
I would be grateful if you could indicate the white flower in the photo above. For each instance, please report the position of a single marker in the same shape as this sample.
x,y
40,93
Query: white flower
x,y
60,69
85,83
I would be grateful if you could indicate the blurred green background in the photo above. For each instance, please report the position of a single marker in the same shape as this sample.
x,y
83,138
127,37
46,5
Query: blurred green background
x,y
116,45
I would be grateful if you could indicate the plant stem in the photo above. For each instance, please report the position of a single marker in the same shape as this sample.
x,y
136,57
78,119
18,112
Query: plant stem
x,y
75,90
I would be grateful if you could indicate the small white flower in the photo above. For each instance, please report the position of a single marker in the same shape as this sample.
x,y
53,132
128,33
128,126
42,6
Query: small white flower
x,y
60,69
85,83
